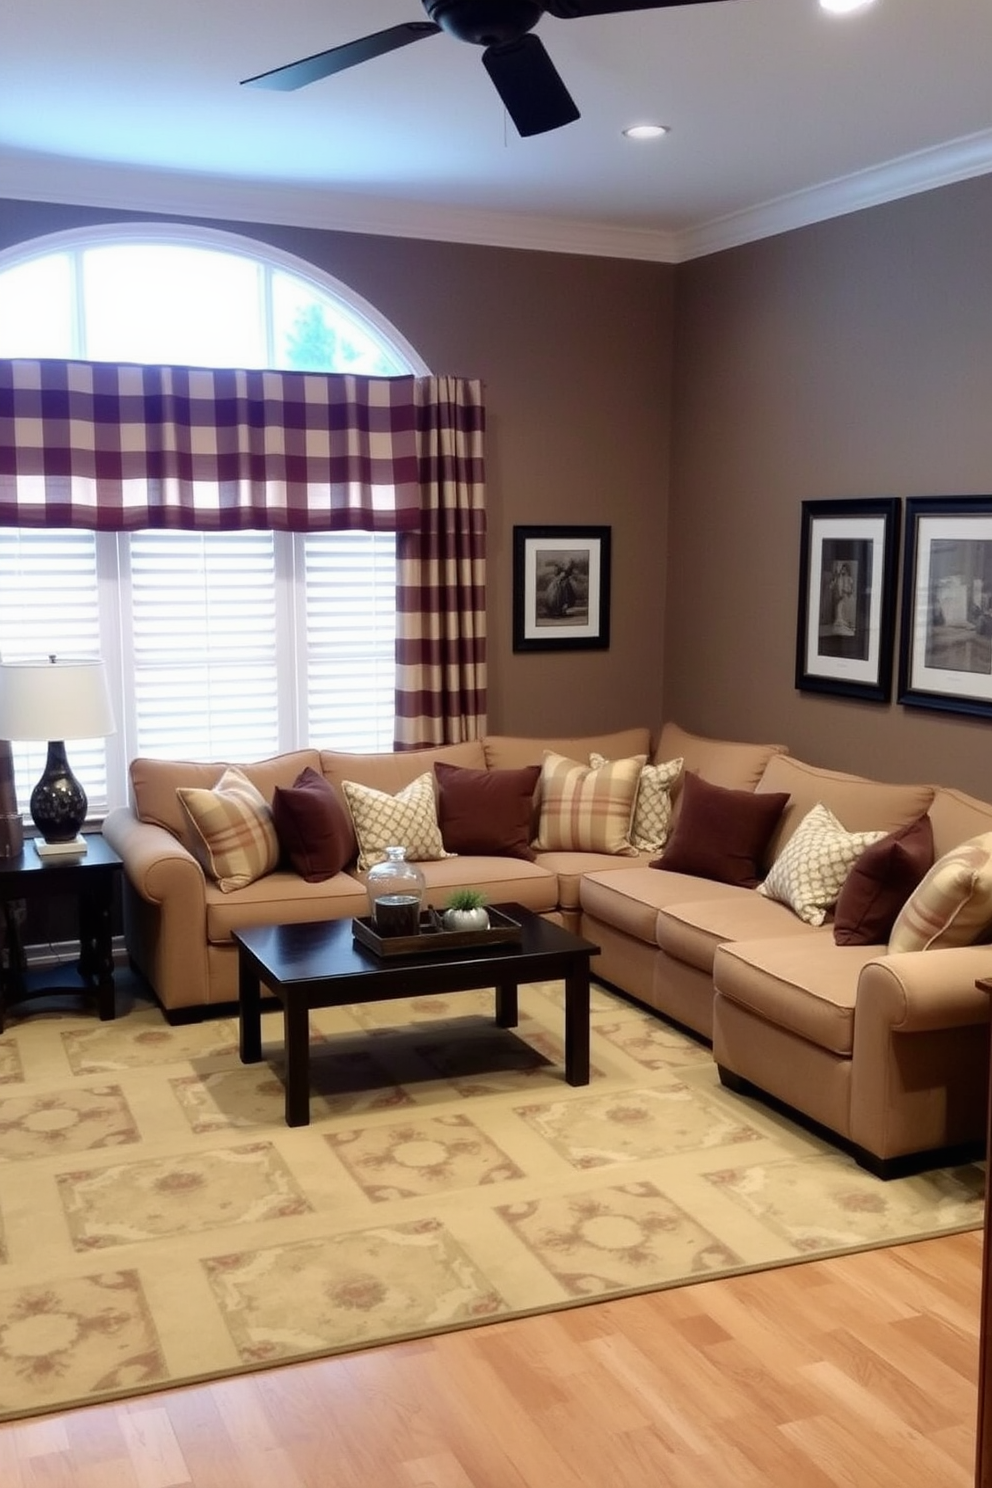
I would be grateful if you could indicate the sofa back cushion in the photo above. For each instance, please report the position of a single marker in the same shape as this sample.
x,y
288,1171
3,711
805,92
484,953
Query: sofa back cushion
x,y
859,804
956,818
393,772
510,752
154,783
726,762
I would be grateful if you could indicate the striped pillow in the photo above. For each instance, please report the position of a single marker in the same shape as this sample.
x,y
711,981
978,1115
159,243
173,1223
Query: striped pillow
x,y
586,809
953,904
232,833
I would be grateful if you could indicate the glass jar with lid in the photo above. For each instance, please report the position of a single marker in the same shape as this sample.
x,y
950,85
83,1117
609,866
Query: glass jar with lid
x,y
396,894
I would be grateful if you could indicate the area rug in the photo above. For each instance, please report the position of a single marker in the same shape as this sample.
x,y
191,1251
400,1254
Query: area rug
x,y
159,1224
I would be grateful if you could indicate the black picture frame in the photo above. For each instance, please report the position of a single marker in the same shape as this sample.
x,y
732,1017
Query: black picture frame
x,y
561,588
848,569
945,644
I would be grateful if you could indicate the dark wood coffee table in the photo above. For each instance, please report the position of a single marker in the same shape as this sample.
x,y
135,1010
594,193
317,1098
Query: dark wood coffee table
x,y
321,965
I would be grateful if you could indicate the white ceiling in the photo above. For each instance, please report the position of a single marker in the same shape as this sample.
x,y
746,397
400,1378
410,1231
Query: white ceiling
x,y
779,114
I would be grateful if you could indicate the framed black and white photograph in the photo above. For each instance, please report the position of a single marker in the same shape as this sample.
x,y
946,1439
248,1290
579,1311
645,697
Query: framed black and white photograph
x,y
945,652
561,588
847,580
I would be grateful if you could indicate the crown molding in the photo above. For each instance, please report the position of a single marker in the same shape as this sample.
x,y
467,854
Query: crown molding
x,y
925,170
97,184
126,188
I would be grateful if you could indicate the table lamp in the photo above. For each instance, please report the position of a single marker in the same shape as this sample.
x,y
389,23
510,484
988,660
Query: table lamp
x,y
53,701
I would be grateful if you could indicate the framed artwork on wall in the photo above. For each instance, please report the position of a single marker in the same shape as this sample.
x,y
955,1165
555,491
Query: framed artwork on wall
x,y
561,588
945,649
847,576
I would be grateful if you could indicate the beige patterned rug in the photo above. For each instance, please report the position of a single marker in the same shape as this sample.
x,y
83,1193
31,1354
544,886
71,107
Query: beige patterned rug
x,y
159,1223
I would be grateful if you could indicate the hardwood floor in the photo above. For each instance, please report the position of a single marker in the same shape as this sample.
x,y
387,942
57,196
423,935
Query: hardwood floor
x,y
856,1371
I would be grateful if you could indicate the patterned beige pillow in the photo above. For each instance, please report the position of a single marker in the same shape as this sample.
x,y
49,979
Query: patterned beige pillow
x,y
585,809
653,806
952,906
232,833
809,872
408,819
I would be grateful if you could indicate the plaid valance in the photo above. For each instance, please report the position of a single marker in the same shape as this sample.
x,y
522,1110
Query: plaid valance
x,y
119,447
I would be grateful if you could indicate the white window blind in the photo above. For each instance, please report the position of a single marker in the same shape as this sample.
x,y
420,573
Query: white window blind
x,y
204,644
349,593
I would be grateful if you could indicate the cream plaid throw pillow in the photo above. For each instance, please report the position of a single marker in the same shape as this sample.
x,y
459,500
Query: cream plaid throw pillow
x,y
408,819
653,806
585,809
231,831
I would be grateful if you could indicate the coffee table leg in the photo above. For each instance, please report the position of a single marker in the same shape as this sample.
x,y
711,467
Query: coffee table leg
x,y
296,1022
577,1023
249,1012
507,1011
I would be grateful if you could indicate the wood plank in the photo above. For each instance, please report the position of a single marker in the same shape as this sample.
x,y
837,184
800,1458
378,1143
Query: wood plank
x,y
830,1374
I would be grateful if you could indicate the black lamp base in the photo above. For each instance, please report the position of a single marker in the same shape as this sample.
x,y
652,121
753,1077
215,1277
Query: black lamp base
x,y
58,801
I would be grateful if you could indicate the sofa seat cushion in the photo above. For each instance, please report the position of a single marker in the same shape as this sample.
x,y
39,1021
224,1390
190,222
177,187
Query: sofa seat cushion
x,y
502,880
806,985
569,868
692,932
282,898
629,898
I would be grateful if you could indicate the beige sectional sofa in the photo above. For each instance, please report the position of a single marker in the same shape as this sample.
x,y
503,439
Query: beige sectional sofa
x,y
887,1053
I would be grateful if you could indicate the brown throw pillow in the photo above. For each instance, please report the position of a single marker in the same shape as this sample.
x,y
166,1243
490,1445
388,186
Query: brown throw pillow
x,y
721,833
313,827
880,882
487,811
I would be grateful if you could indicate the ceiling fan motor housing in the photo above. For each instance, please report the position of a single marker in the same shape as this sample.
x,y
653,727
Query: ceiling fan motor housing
x,y
485,22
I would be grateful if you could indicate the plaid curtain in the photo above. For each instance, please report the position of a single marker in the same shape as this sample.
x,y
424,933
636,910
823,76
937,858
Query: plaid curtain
x,y
441,580
116,448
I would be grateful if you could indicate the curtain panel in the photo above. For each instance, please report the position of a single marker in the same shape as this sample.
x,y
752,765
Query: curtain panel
x,y
441,574
120,447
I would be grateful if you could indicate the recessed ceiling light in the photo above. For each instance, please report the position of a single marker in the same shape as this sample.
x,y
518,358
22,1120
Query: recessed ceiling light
x,y
844,7
645,131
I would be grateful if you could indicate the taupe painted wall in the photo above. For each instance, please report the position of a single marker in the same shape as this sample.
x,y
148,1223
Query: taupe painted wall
x,y
575,354
851,358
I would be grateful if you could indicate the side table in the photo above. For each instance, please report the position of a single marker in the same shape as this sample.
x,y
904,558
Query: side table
x,y
89,880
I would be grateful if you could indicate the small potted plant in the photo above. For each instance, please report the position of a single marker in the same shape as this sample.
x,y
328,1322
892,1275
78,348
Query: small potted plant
x,y
465,909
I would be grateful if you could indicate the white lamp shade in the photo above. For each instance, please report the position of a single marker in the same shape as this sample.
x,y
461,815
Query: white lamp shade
x,y
43,700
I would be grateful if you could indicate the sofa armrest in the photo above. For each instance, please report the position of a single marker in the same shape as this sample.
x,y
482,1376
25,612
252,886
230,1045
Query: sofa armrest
x,y
927,1093
922,991
158,867
165,909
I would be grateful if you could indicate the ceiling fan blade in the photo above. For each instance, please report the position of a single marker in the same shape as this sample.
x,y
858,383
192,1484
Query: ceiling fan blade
x,y
526,79
570,10
339,58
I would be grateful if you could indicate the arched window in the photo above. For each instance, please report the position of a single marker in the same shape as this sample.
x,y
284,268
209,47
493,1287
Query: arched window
x,y
219,646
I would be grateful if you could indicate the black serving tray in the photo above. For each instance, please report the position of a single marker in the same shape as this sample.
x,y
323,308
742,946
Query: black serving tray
x,y
433,937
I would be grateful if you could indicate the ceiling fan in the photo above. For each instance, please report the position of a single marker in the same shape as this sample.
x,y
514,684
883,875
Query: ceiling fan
x,y
524,75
